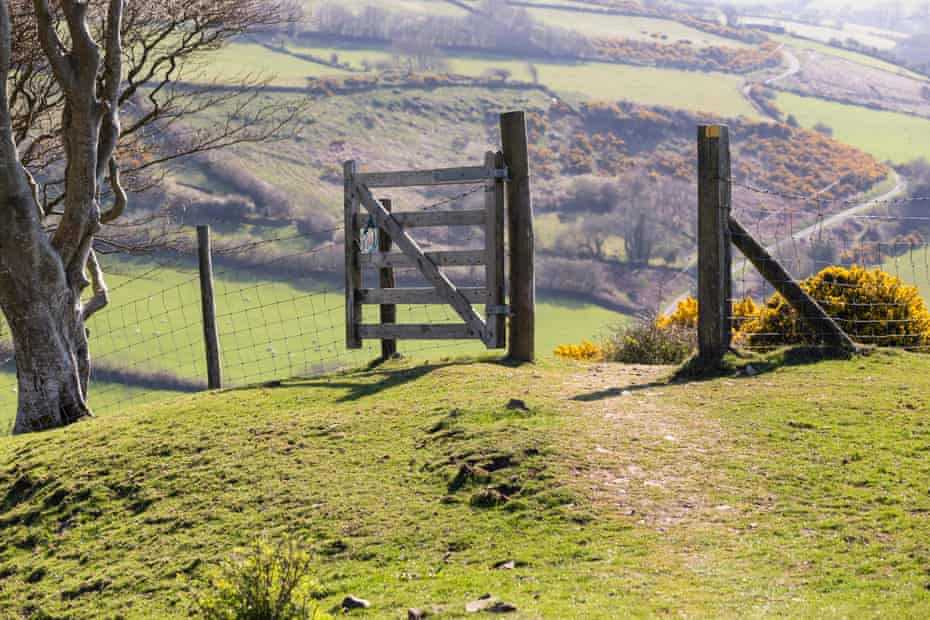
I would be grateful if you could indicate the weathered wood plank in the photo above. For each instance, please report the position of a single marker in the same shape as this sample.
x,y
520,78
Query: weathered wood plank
x,y
494,255
421,178
418,332
428,268
418,296
353,268
387,312
714,259
450,258
522,238
425,219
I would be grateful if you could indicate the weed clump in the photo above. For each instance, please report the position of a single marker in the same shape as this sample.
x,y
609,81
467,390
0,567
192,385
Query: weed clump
x,y
263,582
646,342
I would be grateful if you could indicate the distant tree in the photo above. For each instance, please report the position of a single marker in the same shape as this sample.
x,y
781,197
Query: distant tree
x,y
591,195
824,129
732,13
533,71
792,120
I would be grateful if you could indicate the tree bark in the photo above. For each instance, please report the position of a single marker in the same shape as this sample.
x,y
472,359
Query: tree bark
x,y
45,318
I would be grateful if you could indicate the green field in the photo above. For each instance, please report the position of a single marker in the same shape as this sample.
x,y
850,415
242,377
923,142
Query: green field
x,y
268,330
826,34
627,27
899,138
613,494
715,93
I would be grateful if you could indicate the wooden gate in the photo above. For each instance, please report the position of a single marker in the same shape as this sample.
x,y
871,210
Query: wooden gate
x,y
362,210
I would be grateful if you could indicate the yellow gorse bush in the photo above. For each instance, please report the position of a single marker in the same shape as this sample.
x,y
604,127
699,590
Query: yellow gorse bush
x,y
872,306
685,315
586,351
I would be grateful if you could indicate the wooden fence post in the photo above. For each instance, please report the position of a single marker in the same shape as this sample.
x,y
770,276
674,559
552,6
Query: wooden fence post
x,y
522,239
494,200
386,276
353,266
714,251
208,305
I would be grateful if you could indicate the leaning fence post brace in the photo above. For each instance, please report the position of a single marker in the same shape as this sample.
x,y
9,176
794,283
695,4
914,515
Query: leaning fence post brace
x,y
810,311
522,239
208,306
714,252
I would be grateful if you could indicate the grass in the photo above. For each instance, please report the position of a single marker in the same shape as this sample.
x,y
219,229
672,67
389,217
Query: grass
x,y
237,60
826,34
899,138
269,329
627,27
716,93
805,496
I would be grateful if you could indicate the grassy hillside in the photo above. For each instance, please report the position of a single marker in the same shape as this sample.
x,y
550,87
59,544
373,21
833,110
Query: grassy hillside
x,y
806,496
899,138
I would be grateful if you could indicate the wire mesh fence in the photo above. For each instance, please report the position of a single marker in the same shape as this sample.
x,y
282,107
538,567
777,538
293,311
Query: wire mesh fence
x,y
866,262
280,311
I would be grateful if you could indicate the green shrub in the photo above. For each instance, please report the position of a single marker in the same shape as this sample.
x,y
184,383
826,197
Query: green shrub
x,y
648,343
263,582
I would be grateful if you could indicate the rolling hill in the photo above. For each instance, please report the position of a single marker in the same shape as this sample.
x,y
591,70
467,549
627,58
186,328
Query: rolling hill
x,y
610,492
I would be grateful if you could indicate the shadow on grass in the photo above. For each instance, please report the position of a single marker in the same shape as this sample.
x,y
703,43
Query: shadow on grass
x,y
737,365
383,375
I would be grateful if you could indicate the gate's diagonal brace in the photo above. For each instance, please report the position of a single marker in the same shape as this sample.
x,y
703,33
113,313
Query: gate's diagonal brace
x,y
806,306
427,267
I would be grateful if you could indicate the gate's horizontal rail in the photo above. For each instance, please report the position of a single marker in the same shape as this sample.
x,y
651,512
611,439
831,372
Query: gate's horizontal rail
x,y
420,178
418,296
418,332
414,219
451,258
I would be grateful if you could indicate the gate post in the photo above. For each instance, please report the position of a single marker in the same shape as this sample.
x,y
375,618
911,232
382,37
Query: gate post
x,y
386,276
714,250
522,239
353,266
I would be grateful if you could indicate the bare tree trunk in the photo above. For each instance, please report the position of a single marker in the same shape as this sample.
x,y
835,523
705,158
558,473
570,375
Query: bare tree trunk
x,y
43,312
